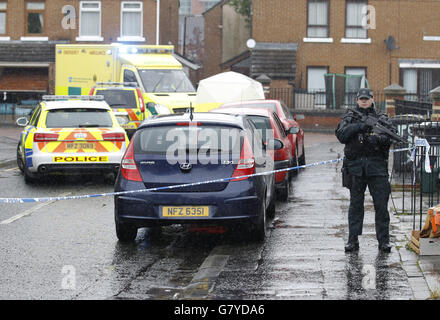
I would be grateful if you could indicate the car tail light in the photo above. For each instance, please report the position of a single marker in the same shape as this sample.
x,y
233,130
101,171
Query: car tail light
x,y
246,164
141,100
113,136
45,137
91,91
129,169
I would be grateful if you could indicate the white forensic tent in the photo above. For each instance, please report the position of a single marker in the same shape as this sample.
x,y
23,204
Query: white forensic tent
x,y
228,87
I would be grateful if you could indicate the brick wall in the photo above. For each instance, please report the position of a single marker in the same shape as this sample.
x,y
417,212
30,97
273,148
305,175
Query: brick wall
x,y
110,21
319,121
407,20
32,78
213,41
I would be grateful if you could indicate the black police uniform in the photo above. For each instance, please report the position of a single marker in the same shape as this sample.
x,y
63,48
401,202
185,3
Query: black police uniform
x,y
366,158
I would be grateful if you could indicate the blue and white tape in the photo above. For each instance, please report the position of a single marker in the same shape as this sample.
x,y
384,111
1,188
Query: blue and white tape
x,y
27,200
47,199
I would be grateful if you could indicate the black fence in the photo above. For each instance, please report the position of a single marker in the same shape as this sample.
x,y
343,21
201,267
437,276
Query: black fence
x,y
415,172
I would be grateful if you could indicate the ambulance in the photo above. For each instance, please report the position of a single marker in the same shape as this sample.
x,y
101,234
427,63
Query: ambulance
x,y
159,75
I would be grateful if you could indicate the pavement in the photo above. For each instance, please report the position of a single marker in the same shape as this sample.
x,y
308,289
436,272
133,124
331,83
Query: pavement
x,y
423,272
9,136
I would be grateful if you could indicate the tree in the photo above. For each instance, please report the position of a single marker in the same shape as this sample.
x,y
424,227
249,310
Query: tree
x,y
242,7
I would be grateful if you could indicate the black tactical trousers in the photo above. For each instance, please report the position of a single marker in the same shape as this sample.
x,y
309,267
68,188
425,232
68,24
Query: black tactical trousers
x,y
380,189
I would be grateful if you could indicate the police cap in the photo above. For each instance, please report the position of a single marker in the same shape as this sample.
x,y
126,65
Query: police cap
x,y
364,93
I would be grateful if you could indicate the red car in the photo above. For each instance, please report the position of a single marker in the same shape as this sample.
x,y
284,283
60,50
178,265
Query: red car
x,y
293,129
267,119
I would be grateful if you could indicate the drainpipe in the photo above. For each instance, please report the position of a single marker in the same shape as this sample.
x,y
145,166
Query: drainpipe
x,y
157,21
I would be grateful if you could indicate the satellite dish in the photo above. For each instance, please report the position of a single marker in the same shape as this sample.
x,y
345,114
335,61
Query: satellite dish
x,y
391,43
251,43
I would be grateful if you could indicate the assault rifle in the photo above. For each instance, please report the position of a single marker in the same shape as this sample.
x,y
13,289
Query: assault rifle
x,y
378,125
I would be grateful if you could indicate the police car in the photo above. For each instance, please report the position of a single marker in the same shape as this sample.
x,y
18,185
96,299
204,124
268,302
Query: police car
x,y
126,99
70,134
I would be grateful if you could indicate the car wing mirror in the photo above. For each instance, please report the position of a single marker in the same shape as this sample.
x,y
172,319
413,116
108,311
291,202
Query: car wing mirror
x,y
275,144
22,122
293,130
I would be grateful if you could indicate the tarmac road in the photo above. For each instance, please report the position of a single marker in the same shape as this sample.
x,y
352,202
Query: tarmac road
x,y
68,249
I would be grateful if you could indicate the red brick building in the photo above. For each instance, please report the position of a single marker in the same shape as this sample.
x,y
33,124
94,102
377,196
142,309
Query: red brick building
x,y
392,41
29,30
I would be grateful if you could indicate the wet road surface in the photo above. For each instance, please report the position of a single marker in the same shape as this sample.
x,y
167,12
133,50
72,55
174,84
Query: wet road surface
x,y
68,249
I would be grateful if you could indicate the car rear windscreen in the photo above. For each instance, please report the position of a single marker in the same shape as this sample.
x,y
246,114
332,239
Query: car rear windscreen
x,y
174,139
118,98
255,105
78,118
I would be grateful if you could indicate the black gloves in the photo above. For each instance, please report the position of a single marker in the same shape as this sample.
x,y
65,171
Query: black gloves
x,y
373,139
363,127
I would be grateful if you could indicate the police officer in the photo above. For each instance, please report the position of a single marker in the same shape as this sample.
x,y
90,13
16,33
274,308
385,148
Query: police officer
x,y
366,161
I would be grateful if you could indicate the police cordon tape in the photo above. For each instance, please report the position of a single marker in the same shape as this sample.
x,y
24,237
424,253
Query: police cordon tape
x,y
98,195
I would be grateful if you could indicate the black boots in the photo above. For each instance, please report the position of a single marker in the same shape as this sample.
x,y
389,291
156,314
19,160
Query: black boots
x,y
352,244
385,247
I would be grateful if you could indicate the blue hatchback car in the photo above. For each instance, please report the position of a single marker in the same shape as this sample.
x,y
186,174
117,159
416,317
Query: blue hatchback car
x,y
175,150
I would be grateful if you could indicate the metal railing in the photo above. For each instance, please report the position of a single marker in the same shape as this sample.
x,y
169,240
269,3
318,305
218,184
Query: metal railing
x,y
320,99
419,188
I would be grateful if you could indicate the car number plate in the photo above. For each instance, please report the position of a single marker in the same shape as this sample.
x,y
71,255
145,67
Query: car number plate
x,y
80,145
185,212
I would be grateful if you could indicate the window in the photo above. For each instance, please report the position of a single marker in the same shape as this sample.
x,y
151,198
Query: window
x,y
210,3
162,80
35,17
129,76
316,83
280,125
317,19
185,7
90,19
3,6
286,110
78,118
117,98
352,84
131,19
35,117
418,82
353,21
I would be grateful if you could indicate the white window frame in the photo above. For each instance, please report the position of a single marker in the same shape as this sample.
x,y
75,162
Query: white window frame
x,y
81,10
141,10
4,9
431,38
35,7
320,98
311,27
355,26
